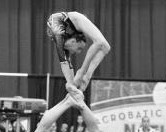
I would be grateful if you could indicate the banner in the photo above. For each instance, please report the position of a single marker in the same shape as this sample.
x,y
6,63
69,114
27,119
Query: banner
x,y
120,105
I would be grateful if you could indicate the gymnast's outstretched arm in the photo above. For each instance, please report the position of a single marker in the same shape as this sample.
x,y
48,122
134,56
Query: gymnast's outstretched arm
x,y
54,113
89,118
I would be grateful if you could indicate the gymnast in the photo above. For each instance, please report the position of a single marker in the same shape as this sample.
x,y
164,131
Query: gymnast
x,y
69,31
54,113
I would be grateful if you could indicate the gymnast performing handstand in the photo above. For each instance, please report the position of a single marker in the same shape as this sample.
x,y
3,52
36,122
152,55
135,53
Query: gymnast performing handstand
x,y
69,31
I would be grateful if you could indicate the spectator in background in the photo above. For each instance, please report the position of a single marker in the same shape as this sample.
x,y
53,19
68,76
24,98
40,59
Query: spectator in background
x,y
5,124
145,125
80,125
53,127
71,129
64,127
2,123
21,127
2,128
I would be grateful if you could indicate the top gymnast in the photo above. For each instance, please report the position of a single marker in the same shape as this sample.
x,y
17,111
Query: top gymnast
x,y
69,30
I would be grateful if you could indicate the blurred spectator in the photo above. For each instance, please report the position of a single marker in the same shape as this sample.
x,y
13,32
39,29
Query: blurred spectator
x,y
71,129
2,123
145,125
21,127
5,124
64,127
80,125
53,127
2,128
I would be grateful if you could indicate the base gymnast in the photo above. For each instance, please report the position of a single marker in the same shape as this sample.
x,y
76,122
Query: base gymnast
x,y
54,113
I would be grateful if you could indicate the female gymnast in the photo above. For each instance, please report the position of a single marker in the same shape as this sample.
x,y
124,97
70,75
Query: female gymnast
x,y
54,113
70,30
